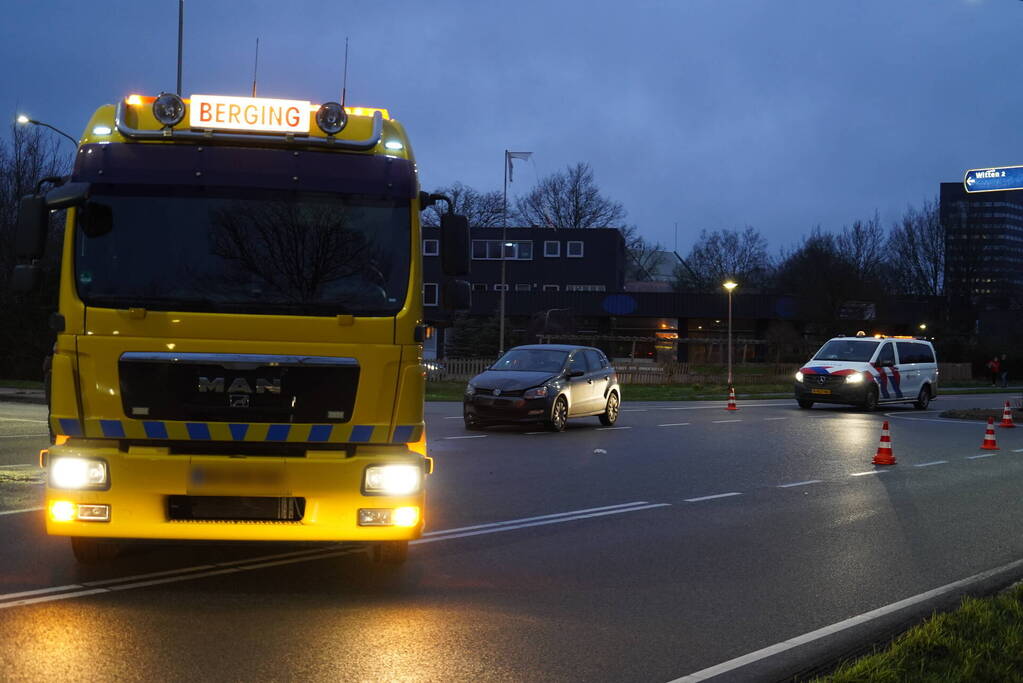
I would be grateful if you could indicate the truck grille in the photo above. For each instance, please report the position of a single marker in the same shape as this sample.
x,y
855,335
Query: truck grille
x,y
235,509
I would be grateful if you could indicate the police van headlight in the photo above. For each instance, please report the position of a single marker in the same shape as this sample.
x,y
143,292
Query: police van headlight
x,y
799,376
392,480
854,378
78,473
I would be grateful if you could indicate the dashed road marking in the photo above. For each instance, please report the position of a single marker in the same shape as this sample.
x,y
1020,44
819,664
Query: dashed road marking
x,y
716,495
982,455
634,410
453,417
928,464
19,512
800,483
1017,450
768,419
604,429
862,474
721,422
674,424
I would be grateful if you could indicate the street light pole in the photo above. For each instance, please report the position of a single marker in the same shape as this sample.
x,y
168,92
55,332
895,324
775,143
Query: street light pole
x,y
22,119
730,285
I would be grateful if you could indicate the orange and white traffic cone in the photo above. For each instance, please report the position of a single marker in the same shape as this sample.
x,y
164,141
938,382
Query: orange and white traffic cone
x,y
731,399
989,437
884,455
1006,417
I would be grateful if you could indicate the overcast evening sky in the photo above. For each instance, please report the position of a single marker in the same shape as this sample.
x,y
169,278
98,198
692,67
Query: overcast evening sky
x,y
708,113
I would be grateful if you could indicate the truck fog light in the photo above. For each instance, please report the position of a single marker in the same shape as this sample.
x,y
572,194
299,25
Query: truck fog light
x,y
375,516
94,513
62,511
78,473
392,480
406,516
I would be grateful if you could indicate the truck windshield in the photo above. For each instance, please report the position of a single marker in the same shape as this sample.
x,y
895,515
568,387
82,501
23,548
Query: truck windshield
x,y
244,251
847,349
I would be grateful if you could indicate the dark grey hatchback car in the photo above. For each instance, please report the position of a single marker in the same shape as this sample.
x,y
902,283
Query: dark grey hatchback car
x,y
546,383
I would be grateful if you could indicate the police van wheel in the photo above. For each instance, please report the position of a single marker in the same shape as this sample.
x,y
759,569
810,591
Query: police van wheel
x,y
805,405
870,402
923,400
389,553
92,551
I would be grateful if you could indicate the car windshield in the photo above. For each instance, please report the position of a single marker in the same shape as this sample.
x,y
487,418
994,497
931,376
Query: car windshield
x,y
847,349
244,251
532,360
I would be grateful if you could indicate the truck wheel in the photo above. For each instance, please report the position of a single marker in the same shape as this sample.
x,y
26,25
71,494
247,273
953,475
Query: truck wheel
x,y
923,400
389,553
804,404
92,551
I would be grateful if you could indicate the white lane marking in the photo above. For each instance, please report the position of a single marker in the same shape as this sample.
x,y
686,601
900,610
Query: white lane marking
x,y
838,627
474,436
767,419
21,419
721,422
862,474
454,417
19,512
19,467
982,455
1017,450
604,429
23,436
928,464
23,598
634,410
717,495
674,424
948,420
800,483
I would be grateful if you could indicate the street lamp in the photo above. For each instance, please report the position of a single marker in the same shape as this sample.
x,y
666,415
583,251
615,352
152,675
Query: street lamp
x,y
730,285
24,120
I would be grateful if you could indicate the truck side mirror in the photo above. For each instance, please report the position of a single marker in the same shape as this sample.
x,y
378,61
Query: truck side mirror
x,y
26,277
456,297
33,219
454,244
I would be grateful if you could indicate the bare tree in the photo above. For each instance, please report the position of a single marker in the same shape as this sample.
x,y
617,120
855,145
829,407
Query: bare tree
x,y
917,246
569,199
643,259
724,254
863,247
483,209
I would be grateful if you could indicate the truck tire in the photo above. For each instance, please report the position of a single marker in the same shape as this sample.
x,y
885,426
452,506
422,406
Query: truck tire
x,y
389,553
804,404
92,551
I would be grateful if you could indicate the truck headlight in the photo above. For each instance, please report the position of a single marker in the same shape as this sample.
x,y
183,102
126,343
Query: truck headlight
x,y
536,392
392,480
854,378
799,376
78,473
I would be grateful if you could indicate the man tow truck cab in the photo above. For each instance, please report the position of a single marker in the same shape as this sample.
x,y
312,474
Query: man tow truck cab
x,y
238,352
868,371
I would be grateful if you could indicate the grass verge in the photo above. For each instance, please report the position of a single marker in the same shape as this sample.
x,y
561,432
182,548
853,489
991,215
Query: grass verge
x,y
20,384
980,641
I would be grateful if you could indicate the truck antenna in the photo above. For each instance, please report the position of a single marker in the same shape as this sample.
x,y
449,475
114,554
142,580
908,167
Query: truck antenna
x,y
344,82
255,68
181,30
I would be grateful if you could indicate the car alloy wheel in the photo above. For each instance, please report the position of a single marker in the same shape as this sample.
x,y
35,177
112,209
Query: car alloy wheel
x,y
923,400
559,415
610,411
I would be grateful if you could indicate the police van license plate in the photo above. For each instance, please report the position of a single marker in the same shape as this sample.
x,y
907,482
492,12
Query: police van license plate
x,y
820,391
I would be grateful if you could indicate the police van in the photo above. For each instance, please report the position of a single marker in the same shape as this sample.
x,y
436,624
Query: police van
x,y
867,371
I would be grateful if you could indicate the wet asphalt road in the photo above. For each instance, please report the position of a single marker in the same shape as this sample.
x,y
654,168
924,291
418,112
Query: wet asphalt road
x,y
682,538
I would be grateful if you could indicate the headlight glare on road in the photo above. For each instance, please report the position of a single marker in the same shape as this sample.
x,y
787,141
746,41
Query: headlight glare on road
x,y
77,473
536,392
799,376
393,480
854,378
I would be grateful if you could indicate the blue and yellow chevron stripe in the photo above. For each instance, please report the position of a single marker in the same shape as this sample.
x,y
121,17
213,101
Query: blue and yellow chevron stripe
x,y
236,431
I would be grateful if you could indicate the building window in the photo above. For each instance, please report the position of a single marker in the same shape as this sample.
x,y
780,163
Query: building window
x,y
500,288
551,288
479,286
431,247
552,248
514,250
574,249
585,288
430,294
520,287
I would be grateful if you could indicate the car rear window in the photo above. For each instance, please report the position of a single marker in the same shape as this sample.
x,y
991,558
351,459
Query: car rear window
x,y
910,352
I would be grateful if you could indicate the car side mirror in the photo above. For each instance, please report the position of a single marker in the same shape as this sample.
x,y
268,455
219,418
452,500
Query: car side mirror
x,y
456,296
574,373
33,219
887,363
26,277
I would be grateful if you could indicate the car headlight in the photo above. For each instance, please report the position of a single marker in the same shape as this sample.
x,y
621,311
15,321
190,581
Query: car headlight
x,y
392,480
854,378
536,392
799,376
470,389
78,473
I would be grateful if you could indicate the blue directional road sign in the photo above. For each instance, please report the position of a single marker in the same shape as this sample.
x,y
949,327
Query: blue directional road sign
x,y
994,179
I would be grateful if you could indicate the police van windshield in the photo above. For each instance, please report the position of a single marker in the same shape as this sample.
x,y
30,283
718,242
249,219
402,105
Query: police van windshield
x,y
847,349
244,251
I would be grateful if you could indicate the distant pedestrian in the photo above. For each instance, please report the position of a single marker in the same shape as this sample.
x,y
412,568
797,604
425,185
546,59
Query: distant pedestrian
x,y
994,368
1003,368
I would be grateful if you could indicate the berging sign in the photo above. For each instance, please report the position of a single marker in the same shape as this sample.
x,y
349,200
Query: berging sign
x,y
993,179
256,114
